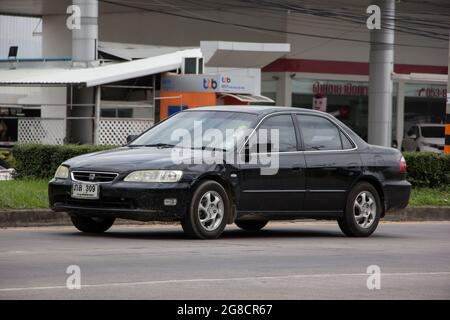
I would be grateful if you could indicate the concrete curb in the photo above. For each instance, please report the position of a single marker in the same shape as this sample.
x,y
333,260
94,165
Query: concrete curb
x,y
46,217
43,218
419,214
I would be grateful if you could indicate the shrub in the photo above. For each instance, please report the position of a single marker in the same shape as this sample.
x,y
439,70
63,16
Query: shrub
x,y
41,161
6,159
426,169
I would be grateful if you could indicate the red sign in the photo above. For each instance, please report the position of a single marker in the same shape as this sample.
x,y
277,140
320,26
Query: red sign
x,y
348,89
432,92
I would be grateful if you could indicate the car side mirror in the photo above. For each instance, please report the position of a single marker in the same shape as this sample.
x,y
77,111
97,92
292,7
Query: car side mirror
x,y
264,147
131,137
394,144
246,153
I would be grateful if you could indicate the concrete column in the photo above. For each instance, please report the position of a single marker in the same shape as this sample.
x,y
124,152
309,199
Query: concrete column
x,y
98,98
85,38
381,66
284,90
84,55
400,113
82,128
447,116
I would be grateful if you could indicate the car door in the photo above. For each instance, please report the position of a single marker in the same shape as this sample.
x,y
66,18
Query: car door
x,y
284,190
332,163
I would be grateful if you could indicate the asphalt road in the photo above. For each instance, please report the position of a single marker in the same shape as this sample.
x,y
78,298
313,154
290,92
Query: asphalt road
x,y
284,261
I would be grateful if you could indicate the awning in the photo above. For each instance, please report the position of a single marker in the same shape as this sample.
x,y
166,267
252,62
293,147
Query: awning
x,y
421,77
226,54
131,51
250,98
97,75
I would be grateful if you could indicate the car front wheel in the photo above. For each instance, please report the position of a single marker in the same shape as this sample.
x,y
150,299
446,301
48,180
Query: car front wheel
x,y
208,212
362,211
92,224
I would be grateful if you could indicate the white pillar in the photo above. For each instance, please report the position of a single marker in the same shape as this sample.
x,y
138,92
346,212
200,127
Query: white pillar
x,y
400,113
85,38
447,109
98,97
381,66
284,90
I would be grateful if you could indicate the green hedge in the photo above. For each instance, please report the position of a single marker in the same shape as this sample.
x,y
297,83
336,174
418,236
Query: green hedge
x,y
41,161
426,169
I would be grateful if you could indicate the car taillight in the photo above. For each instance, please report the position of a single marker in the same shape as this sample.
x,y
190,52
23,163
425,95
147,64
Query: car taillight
x,y
402,165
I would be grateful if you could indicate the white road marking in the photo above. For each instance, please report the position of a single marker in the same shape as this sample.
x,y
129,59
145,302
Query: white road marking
x,y
280,277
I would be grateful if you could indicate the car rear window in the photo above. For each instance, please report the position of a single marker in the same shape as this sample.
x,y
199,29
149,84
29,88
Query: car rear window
x,y
433,132
319,133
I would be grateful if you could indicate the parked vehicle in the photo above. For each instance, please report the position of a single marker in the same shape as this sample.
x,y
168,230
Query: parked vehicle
x,y
425,137
325,171
6,174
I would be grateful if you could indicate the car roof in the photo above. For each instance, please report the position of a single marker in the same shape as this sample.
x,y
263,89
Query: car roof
x,y
430,125
255,109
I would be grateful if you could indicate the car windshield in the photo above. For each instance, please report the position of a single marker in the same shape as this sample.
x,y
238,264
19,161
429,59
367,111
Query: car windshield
x,y
196,126
433,132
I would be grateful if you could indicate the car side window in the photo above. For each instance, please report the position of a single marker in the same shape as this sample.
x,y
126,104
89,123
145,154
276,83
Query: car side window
x,y
285,125
346,143
319,133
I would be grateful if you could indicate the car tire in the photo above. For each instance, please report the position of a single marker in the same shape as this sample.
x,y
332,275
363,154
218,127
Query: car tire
x,y
362,211
208,212
251,225
91,224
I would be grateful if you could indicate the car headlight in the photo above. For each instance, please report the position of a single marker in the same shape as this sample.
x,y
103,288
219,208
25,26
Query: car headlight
x,y
154,176
62,172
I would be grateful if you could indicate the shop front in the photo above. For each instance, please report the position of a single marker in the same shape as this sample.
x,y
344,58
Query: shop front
x,y
346,100
420,101
185,91
424,103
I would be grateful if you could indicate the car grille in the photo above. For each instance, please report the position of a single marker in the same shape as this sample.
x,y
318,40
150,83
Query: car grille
x,y
92,176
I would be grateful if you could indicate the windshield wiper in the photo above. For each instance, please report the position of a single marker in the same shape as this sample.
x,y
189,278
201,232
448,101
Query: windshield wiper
x,y
160,145
210,148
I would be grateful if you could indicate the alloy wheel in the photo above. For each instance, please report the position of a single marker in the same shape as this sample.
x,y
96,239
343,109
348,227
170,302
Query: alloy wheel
x,y
365,209
210,210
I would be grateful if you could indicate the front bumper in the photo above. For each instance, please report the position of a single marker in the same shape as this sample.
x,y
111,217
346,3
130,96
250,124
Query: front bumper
x,y
134,201
396,194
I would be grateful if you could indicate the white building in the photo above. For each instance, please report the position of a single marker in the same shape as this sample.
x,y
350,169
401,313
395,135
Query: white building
x,y
329,56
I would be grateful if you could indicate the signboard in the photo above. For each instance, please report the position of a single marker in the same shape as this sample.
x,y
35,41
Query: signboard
x,y
425,90
330,87
208,83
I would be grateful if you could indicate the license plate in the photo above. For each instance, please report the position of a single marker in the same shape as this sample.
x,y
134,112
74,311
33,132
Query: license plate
x,y
85,190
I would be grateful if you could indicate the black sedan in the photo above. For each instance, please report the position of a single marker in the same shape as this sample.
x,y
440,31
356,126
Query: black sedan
x,y
310,166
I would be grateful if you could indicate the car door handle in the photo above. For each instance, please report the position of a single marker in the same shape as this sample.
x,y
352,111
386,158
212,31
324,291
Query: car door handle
x,y
296,169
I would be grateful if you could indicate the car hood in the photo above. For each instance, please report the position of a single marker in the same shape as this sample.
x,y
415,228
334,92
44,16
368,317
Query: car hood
x,y
128,159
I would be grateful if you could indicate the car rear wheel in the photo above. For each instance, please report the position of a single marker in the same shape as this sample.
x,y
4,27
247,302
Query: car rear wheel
x,y
208,212
92,224
252,225
362,211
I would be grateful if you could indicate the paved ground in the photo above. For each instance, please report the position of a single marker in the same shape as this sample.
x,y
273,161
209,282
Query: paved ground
x,y
285,261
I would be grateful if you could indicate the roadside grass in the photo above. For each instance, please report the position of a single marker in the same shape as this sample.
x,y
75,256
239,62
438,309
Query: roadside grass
x,y
29,194
439,197
23,194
